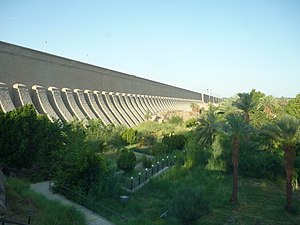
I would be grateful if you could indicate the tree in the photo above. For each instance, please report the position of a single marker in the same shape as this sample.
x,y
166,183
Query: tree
x,y
235,127
285,130
293,106
22,137
77,165
246,104
209,125
227,107
268,104
256,95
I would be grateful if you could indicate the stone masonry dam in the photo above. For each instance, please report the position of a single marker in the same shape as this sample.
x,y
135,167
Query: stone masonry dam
x,y
65,89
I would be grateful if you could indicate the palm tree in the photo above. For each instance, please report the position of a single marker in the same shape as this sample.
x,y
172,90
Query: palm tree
x,y
209,125
246,104
268,104
293,106
286,131
235,128
227,107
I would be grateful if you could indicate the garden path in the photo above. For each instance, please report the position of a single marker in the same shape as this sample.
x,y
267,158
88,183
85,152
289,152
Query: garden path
x,y
92,218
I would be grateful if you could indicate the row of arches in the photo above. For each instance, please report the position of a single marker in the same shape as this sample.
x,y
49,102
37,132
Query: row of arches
x,y
65,104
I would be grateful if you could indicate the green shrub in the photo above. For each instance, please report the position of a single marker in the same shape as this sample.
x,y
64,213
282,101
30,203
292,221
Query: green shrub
x,y
196,153
189,205
108,187
176,120
147,162
147,139
126,161
160,149
297,161
261,164
114,137
81,171
191,122
129,136
174,142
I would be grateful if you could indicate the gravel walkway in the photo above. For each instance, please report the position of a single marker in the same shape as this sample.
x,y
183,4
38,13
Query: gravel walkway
x,y
92,218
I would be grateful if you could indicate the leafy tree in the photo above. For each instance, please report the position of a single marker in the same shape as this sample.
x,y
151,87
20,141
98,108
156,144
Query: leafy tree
x,y
77,164
97,133
235,127
23,135
285,130
51,135
246,104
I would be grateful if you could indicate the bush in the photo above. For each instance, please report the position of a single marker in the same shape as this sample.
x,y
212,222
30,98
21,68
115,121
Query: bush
x,y
197,154
126,161
147,162
261,164
189,205
82,171
129,136
176,120
174,142
160,149
114,137
191,122
147,140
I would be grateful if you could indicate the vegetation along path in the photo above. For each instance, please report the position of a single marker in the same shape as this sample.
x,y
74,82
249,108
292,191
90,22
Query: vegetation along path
x,y
92,218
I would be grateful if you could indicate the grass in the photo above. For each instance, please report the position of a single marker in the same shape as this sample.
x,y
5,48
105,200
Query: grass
x,y
160,129
260,201
20,199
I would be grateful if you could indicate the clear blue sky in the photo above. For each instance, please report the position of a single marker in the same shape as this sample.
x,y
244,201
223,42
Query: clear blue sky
x,y
227,46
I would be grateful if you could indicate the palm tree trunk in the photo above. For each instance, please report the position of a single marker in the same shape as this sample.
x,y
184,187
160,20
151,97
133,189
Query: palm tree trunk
x,y
246,117
235,143
289,158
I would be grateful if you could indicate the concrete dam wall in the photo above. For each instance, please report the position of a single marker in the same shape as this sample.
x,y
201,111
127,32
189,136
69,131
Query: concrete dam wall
x,y
66,89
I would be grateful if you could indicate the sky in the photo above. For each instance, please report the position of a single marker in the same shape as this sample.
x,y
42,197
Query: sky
x,y
219,47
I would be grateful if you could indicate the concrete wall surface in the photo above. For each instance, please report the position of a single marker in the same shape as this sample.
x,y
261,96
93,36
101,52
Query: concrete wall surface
x,y
66,89
31,67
